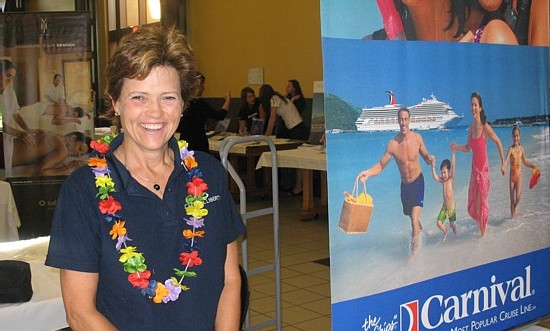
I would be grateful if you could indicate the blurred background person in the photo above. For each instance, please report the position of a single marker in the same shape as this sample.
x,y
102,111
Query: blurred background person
x,y
248,110
273,105
55,91
9,107
293,93
192,127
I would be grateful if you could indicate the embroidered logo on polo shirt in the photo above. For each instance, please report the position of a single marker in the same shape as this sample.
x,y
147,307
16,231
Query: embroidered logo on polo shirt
x,y
213,198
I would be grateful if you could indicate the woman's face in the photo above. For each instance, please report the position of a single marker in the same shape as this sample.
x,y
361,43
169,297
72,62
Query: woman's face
x,y
289,88
7,78
150,109
77,148
250,98
476,108
490,5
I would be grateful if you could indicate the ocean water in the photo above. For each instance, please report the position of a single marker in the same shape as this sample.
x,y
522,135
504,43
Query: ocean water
x,y
365,264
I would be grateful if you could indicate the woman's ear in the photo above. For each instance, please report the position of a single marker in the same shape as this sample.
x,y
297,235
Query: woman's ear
x,y
116,107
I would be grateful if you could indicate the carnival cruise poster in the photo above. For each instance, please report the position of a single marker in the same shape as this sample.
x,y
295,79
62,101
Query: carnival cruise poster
x,y
467,281
49,105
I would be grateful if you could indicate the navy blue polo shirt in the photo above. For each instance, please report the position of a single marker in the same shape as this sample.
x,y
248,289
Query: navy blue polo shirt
x,y
80,241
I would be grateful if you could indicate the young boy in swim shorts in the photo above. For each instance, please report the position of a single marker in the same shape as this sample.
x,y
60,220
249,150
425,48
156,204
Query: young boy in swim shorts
x,y
448,210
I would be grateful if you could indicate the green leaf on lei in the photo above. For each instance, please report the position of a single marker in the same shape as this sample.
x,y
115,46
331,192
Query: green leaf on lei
x,y
135,264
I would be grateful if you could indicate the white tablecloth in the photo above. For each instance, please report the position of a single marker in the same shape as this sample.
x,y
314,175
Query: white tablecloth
x,y
306,157
9,218
215,142
45,310
310,157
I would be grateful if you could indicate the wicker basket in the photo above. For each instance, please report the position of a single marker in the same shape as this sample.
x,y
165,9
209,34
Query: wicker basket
x,y
355,217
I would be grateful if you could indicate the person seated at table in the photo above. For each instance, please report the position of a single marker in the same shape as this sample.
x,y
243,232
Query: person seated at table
x,y
192,127
248,110
276,105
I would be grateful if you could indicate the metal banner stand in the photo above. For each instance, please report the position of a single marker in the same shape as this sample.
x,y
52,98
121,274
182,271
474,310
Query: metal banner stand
x,y
246,215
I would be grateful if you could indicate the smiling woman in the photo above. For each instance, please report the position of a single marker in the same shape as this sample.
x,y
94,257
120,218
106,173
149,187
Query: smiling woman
x,y
144,189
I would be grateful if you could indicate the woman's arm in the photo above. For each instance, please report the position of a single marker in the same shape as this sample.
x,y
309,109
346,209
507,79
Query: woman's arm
x,y
453,166
538,23
463,148
491,133
272,120
229,307
503,167
79,293
497,142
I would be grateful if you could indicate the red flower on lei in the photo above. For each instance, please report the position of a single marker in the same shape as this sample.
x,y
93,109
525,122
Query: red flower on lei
x,y
133,261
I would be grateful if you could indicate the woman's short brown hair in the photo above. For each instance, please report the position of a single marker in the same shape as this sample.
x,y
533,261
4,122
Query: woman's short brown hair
x,y
143,50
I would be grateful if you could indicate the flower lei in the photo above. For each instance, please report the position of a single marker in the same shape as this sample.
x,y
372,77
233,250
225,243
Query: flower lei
x,y
133,260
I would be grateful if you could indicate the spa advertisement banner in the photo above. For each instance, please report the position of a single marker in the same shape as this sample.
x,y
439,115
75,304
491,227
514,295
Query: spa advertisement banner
x,y
47,107
463,245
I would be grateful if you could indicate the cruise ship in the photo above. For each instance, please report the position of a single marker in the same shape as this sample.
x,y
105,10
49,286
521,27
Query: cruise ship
x,y
428,114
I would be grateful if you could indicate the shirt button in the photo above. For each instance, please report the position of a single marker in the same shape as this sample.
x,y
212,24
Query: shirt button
x,y
169,189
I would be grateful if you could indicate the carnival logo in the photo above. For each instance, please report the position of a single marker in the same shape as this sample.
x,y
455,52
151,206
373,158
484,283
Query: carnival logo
x,y
439,309
409,316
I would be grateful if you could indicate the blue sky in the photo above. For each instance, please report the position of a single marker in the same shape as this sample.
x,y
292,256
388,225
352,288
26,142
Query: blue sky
x,y
362,17
511,79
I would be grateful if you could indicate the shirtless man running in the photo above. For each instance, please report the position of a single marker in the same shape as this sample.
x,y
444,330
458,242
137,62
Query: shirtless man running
x,y
405,148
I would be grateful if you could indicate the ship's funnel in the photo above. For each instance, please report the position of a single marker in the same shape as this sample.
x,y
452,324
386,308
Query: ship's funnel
x,y
392,98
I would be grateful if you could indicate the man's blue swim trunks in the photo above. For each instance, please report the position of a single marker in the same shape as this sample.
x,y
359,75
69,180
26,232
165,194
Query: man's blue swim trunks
x,y
412,194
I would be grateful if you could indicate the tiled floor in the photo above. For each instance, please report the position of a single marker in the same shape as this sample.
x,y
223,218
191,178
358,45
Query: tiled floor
x,y
305,284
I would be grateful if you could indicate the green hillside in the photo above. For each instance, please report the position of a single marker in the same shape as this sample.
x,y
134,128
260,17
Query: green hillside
x,y
339,114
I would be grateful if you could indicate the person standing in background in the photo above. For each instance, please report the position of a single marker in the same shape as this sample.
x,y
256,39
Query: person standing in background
x,y
293,93
276,105
248,110
192,127
54,92
9,106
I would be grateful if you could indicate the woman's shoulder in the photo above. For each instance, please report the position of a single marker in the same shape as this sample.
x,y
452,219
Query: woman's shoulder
x,y
80,180
498,32
207,161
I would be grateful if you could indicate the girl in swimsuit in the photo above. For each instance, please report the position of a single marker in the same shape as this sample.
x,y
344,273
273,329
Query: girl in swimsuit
x,y
516,155
478,191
